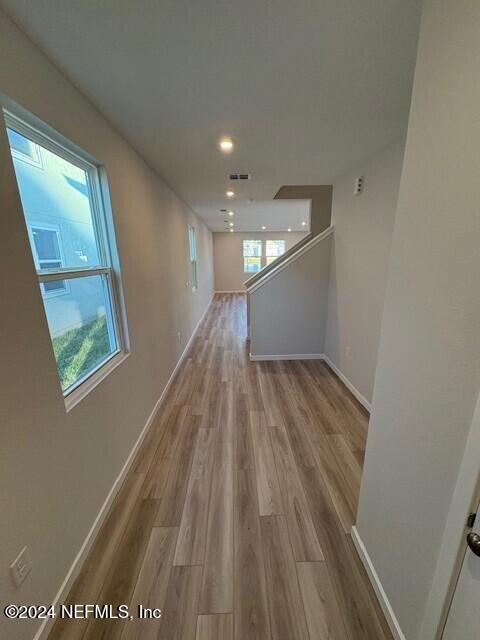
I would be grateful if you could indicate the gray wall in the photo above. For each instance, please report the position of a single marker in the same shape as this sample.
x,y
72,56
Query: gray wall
x,y
288,313
57,468
228,255
359,265
428,374
321,203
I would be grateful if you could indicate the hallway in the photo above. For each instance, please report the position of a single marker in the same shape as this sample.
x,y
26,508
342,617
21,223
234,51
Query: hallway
x,y
239,504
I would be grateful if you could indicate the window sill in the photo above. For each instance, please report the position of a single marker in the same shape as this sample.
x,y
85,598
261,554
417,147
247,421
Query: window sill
x,y
88,385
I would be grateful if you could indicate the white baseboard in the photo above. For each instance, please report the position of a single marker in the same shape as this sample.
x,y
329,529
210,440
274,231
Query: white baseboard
x,y
377,586
288,356
74,570
361,398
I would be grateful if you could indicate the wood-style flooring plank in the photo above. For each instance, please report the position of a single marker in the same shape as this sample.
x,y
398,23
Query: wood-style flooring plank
x,y
251,609
295,418
217,584
306,546
121,578
226,414
144,456
351,470
324,620
244,458
158,472
270,399
179,619
268,490
151,588
343,495
193,526
175,486
285,604
218,627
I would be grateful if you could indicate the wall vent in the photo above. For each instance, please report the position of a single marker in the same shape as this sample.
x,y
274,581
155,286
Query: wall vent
x,y
240,176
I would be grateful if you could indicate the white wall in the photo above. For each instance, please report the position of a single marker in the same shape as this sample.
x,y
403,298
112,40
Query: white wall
x,y
288,312
428,373
56,468
228,255
359,265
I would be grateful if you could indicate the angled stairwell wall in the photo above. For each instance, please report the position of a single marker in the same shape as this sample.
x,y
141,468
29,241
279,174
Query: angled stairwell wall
x,y
288,305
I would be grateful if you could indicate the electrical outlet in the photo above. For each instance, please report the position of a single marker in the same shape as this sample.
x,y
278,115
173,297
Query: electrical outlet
x,y
21,567
178,336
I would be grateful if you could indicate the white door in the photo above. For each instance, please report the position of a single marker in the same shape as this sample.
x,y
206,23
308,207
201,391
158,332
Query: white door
x,y
463,622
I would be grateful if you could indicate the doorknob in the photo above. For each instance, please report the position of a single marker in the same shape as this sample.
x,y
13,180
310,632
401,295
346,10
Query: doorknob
x,y
473,541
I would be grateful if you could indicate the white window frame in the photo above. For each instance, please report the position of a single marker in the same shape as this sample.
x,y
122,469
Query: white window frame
x,y
192,252
104,241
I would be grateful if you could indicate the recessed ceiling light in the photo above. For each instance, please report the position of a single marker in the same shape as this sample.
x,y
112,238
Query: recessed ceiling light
x,y
230,224
230,193
226,145
231,213
263,227
289,229
231,230
303,224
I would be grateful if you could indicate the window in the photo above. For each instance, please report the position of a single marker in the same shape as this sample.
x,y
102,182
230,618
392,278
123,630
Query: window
x,y
71,247
47,255
24,149
192,249
252,256
253,253
274,249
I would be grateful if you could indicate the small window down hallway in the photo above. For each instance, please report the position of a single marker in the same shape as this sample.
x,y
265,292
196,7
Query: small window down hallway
x,y
235,517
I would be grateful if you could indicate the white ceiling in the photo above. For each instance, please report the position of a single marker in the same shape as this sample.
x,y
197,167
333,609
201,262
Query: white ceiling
x,y
307,89
275,215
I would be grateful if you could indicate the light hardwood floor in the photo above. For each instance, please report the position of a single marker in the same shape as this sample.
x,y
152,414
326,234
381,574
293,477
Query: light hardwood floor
x,y
235,517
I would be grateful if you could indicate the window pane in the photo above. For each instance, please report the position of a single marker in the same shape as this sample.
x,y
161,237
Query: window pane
x,y
45,265
192,243
81,327
275,248
251,265
57,286
56,193
194,273
192,248
252,248
46,244
21,144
